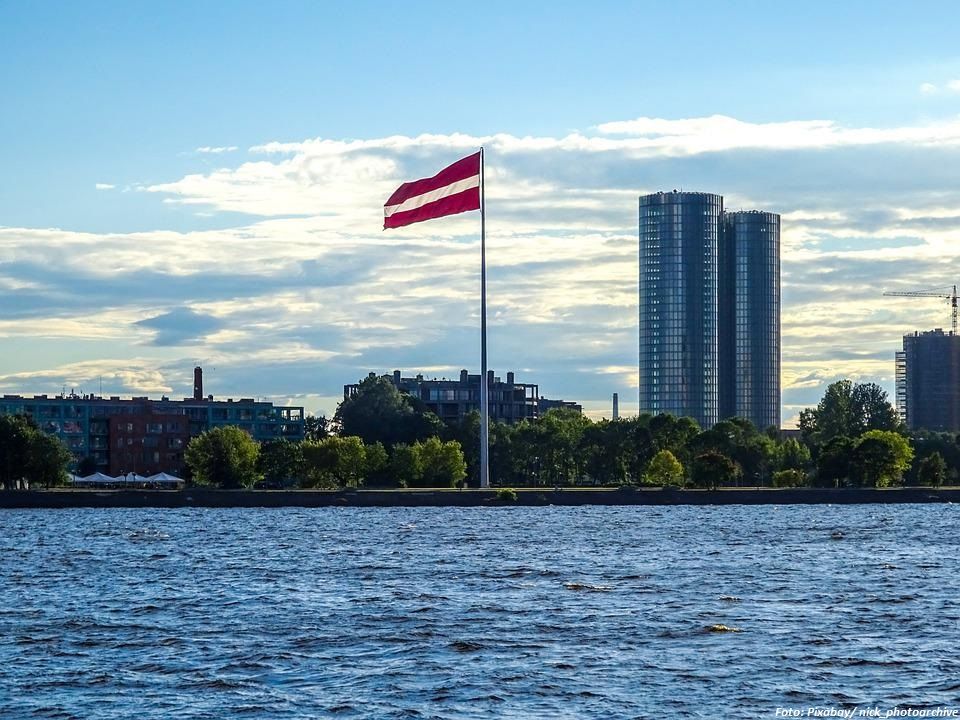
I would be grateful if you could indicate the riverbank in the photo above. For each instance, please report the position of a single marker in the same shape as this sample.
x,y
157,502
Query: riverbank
x,y
202,497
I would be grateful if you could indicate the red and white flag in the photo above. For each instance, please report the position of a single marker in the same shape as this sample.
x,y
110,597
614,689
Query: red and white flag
x,y
455,189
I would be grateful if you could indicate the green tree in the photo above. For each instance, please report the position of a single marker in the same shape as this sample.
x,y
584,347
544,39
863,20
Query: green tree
x,y
319,465
790,478
379,412
664,470
376,465
606,448
334,462
519,453
503,455
834,462
672,433
48,459
28,453
316,427
640,446
792,455
738,439
926,443
441,463
225,457
351,460
712,470
882,457
15,434
405,465
561,434
933,470
849,410
280,462
467,432
873,410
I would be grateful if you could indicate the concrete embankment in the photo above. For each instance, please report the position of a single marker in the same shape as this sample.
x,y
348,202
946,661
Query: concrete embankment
x,y
201,497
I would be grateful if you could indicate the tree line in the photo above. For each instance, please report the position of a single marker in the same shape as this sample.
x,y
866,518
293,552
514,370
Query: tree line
x,y
227,457
853,438
381,437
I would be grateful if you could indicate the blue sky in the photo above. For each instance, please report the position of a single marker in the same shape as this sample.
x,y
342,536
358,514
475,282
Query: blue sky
x,y
203,182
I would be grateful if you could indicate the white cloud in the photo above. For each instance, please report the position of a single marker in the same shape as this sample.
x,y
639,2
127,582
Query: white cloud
x,y
310,302
346,182
134,375
719,132
206,149
104,186
928,88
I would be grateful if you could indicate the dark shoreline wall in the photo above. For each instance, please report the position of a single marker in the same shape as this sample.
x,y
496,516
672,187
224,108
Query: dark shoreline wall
x,y
28,499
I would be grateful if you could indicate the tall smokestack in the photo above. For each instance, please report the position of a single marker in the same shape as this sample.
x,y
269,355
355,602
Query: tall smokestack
x,y
616,406
198,383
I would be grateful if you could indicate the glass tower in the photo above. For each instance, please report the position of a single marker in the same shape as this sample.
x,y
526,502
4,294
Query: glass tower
x,y
749,317
679,239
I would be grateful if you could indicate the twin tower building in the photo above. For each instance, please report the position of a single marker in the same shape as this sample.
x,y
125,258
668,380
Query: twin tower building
x,y
709,310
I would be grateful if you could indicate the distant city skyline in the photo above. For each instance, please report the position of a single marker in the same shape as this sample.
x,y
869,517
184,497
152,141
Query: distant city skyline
x,y
188,185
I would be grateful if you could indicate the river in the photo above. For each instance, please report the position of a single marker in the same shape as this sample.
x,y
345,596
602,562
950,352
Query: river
x,y
577,612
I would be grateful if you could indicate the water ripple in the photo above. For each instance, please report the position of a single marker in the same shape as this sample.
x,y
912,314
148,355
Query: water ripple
x,y
476,613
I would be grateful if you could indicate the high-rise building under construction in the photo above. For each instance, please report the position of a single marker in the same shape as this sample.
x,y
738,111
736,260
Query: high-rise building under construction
x,y
928,381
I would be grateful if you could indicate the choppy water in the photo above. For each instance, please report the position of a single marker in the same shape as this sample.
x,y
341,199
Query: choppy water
x,y
477,613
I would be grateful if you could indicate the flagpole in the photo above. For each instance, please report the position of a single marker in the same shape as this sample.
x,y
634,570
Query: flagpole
x,y
484,389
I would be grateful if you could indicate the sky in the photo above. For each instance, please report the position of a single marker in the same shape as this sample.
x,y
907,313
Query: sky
x,y
203,183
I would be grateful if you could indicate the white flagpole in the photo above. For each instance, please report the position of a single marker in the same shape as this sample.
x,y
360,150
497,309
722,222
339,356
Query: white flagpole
x,y
484,389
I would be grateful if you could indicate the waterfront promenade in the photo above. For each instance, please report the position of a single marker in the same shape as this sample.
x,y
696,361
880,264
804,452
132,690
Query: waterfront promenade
x,y
202,497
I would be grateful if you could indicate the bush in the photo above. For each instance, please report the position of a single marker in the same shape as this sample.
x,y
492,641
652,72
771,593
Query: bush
x,y
664,470
507,495
790,478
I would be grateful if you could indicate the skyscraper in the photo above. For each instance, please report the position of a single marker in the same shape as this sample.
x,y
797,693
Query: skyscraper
x,y
928,381
749,317
679,235
709,310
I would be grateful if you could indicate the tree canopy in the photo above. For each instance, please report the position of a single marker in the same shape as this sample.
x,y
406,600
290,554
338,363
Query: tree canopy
x,y
280,462
27,453
881,457
664,470
849,410
932,470
379,412
713,470
223,456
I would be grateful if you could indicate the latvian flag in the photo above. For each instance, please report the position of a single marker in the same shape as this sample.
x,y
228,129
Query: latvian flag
x,y
453,190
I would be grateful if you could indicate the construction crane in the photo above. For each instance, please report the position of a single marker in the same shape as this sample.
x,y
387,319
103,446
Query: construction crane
x,y
938,293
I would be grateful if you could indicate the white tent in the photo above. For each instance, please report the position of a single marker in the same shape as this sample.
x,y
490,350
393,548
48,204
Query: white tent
x,y
165,479
131,479
96,479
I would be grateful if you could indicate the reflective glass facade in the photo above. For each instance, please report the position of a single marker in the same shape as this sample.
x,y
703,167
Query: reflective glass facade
x,y
749,317
679,236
